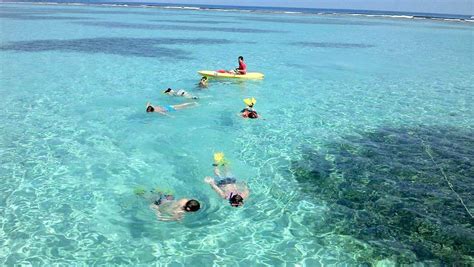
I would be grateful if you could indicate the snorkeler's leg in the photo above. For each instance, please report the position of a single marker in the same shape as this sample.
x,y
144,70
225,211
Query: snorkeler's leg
x,y
149,196
227,171
158,197
189,96
217,172
185,105
152,195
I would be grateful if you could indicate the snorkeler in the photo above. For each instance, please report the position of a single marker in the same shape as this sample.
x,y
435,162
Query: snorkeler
x,y
166,207
249,112
180,92
164,110
203,82
227,186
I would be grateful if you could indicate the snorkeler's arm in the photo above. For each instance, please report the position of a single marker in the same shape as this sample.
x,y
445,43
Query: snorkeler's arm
x,y
189,96
165,217
171,218
156,210
243,189
245,193
174,217
178,214
164,113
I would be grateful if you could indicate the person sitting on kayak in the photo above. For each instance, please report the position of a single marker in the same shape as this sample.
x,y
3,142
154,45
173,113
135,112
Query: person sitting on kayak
x,y
203,82
180,92
242,69
163,110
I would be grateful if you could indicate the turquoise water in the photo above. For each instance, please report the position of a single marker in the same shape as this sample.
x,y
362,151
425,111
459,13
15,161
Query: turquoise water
x,y
75,139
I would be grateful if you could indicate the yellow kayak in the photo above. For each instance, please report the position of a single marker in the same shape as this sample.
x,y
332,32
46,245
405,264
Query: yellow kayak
x,y
214,74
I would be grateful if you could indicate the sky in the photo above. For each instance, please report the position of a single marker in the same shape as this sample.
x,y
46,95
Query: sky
x,y
464,7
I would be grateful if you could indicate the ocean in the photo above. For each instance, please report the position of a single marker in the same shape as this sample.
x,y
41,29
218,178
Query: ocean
x,y
363,156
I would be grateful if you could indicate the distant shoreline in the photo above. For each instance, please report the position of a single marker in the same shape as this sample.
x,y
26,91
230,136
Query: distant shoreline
x,y
274,10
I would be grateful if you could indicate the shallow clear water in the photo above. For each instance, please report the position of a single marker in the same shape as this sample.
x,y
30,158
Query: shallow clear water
x,y
75,139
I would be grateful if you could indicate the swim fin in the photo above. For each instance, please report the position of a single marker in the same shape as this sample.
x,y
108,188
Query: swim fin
x,y
219,158
163,191
250,101
139,191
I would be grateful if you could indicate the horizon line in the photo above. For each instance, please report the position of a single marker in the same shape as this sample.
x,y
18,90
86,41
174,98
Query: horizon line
x,y
296,7
223,5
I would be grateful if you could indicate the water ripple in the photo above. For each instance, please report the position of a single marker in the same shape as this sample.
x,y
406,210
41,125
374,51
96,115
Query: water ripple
x,y
123,25
331,45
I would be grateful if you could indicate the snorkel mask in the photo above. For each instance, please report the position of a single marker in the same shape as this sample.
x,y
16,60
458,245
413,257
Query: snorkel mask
x,y
150,109
236,201
192,206
252,115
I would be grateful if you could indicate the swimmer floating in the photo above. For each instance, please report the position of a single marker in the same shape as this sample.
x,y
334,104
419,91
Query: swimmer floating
x,y
225,184
249,112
